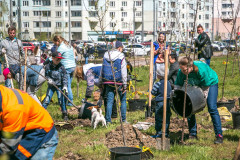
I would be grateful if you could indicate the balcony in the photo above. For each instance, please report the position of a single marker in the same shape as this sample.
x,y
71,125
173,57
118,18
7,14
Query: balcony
x,y
226,1
227,18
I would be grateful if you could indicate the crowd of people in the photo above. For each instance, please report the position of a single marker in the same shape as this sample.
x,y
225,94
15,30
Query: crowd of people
x,y
29,117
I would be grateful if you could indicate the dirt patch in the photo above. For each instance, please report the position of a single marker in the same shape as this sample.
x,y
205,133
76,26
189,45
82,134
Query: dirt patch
x,y
73,111
133,137
150,120
71,156
81,122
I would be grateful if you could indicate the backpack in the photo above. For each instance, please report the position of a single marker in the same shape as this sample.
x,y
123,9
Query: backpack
x,y
107,74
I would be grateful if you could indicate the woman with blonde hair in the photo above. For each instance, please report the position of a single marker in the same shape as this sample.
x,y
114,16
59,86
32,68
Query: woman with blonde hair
x,y
68,62
37,53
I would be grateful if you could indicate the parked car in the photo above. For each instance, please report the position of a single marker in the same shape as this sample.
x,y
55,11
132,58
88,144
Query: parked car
x,y
230,45
78,42
136,49
216,46
30,47
221,44
99,50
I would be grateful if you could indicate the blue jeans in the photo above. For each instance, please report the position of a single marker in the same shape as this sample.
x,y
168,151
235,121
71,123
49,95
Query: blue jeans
x,y
49,94
86,60
154,72
208,61
159,118
0,68
47,150
212,109
70,72
8,83
110,99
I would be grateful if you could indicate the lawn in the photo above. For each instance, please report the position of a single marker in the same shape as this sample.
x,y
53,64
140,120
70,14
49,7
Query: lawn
x,y
89,143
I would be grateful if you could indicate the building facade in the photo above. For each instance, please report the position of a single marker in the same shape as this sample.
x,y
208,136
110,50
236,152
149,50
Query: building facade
x,y
122,19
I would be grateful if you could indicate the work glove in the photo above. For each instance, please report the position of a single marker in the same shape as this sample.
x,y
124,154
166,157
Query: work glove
x,y
84,100
4,50
99,103
50,81
65,90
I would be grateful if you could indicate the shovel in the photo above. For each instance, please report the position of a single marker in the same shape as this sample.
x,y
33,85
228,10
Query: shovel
x,y
164,143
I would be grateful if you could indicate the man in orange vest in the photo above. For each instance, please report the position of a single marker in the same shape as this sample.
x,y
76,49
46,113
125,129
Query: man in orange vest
x,y
28,131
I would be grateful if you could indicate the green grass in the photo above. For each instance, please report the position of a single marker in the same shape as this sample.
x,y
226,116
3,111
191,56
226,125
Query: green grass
x,y
90,143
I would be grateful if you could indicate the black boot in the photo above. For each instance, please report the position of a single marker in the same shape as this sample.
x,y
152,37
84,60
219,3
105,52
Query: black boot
x,y
65,116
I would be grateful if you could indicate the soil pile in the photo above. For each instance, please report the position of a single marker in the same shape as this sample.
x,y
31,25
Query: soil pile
x,y
132,135
81,122
72,156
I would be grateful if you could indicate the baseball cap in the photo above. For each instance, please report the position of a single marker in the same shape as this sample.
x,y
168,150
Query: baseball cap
x,y
57,55
118,44
5,72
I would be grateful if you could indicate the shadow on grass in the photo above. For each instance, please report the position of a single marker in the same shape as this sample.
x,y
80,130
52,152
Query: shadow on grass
x,y
231,137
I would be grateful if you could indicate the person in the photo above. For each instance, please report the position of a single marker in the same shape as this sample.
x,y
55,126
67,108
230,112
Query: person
x,y
158,91
201,75
33,80
28,131
173,69
85,51
57,75
77,51
37,53
68,62
203,43
178,46
159,49
12,47
118,76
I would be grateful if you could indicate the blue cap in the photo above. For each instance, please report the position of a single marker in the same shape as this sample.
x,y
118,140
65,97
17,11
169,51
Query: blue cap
x,y
118,44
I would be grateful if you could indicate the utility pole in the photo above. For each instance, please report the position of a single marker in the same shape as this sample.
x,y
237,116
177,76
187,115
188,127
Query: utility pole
x,y
19,20
213,21
11,11
142,21
134,21
156,15
69,21
154,36
47,27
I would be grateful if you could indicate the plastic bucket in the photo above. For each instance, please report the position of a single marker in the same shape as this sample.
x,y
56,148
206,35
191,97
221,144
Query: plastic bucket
x,y
195,101
125,153
236,120
136,104
230,104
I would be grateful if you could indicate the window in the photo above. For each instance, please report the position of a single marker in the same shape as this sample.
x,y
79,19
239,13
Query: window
x,y
58,14
138,3
191,24
206,16
124,25
66,3
112,3
173,24
92,13
191,15
36,2
182,15
58,24
66,24
173,15
76,13
46,2
159,4
112,14
112,24
46,13
25,3
25,24
182,6
58,3
36,24
199,17
13,3
207,8
0,14
92,3
159,14
36,13
76,24
76,3
191,6
138,14
206,25
182,25
25,13
124,3
66,14
124,14
46,24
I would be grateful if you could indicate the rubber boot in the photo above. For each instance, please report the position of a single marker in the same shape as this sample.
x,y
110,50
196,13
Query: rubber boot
x,y
65,116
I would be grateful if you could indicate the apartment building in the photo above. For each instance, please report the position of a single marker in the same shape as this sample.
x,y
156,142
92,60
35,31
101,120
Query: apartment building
x,y
113,18
224,14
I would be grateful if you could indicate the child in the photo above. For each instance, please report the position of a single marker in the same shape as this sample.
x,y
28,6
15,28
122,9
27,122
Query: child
x,y
33,80
173,70
56,74
158,90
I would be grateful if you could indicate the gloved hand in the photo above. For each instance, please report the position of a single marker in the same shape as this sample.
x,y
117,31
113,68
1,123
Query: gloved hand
x,y
99,103
50,81
65,90
4,50
84,100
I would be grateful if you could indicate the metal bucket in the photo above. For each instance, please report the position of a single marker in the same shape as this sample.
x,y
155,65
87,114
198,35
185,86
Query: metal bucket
x,y
195,101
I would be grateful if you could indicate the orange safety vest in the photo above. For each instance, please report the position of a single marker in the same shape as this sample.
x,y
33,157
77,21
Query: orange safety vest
x,y
28,122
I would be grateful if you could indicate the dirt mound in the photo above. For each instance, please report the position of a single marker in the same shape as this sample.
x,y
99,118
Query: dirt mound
x,y
132,135
72,156
73,111
81,122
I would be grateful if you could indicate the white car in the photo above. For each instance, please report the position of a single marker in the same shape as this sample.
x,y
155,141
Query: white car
x,y
137,50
